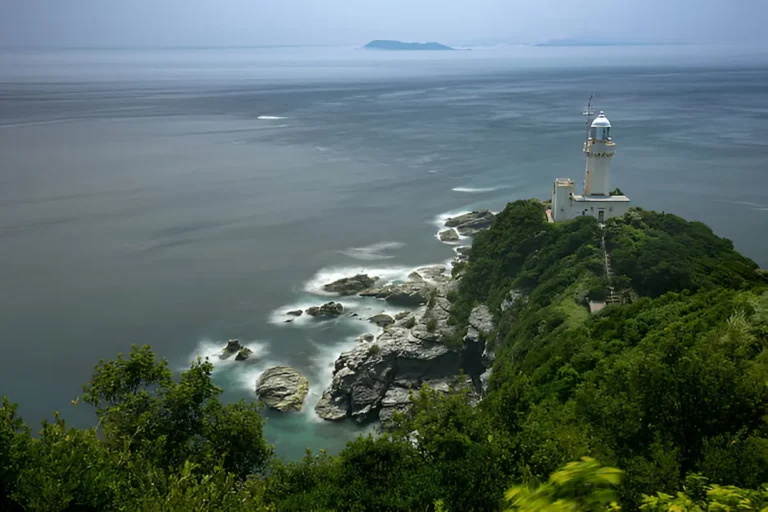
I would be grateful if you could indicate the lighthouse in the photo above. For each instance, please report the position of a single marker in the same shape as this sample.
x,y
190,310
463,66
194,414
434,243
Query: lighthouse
x,y
596,201
599,150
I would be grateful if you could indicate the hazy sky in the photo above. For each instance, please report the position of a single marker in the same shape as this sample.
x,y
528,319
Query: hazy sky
x,y
353,22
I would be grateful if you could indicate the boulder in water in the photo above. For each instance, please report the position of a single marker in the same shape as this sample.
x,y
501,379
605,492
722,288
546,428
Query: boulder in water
x,y
243,354
382,320
367,338
282,388
329,309
233,346
351,285
449,235
295,312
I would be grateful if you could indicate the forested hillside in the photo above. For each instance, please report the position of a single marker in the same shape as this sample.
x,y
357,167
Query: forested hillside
x,y
662,394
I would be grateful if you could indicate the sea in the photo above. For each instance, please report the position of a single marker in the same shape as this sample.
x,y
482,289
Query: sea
x,y
182,197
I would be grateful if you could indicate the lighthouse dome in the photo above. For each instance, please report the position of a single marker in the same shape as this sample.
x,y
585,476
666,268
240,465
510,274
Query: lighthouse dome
x,y
601,121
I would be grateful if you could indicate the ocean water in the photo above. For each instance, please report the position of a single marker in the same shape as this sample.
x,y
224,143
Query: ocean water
x,y
179,198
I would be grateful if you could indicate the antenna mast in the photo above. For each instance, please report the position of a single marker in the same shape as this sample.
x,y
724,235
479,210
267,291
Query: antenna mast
x,y
589,112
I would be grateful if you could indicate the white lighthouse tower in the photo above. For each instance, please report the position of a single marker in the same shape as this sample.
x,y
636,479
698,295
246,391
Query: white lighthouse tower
x,y
597,200
599,149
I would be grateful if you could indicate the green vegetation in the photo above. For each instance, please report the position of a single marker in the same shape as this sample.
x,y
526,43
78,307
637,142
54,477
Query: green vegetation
x,y
373,350
431,325
671,386
410,322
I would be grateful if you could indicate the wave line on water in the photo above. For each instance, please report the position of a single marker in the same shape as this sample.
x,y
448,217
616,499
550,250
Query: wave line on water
x,y
479,190
271,118
372,252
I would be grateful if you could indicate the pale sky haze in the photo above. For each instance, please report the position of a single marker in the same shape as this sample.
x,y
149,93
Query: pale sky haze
x,y
211,23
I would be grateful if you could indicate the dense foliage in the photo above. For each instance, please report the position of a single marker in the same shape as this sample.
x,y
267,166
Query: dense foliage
x,y
671,386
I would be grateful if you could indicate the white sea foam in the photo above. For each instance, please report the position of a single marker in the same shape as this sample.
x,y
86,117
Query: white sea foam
x,y
331,274
243,374
372,252
322,373
280,315
479,190
441,219
271,118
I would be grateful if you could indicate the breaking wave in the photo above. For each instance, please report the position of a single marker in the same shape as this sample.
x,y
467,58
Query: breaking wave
x,y
372,252
480,190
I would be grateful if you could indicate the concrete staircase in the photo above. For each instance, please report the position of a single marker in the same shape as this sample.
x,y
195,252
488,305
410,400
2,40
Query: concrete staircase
x,y
611,297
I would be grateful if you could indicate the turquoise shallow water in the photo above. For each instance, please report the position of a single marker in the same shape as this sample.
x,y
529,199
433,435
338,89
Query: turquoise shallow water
x,y
181,198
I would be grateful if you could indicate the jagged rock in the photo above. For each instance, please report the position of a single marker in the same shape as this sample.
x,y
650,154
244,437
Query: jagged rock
x,y
433,325
282,388
367,338
480,321
470,223
365,378
484,381
434,273
295,312
233,346
351,285
407,294
449,235
243,354
382,320
464,250
332,408
488,355
402,315
511,299
329,309
415,276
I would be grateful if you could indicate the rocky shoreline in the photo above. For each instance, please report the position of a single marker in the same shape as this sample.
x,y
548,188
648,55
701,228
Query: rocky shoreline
x,y
417,347
375,379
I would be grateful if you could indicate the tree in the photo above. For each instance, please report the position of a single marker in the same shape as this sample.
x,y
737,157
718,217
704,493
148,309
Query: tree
x,y
578,486
141,408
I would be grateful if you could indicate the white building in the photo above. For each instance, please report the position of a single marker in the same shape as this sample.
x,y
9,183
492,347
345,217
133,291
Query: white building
x,y
597,200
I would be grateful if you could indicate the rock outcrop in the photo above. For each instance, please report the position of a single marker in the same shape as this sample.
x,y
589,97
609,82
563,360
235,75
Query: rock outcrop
x,y
372,381
449,235
243,354
408,294
470,223
480,321
366,338
327,310
295,312
382,320
233,347
351,285
282,388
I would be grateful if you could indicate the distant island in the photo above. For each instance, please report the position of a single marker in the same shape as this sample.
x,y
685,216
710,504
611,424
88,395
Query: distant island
x,y
380,44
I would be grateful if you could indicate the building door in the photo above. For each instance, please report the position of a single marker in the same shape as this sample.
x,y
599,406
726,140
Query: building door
x,y
601,216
